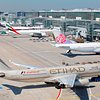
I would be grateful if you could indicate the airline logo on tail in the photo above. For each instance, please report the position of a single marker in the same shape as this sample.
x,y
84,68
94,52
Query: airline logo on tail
x,y
62,39
6,25
11,28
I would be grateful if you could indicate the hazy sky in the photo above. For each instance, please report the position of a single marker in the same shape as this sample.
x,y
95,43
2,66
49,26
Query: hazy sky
x,y
29,5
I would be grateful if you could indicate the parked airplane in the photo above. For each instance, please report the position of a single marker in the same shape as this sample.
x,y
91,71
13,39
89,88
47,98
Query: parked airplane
x,y
8,27
63,77
81,47
31,31
69,45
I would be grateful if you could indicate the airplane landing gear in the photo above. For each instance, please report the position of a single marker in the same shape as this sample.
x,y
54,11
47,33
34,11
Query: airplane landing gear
x,y
60,86
68,51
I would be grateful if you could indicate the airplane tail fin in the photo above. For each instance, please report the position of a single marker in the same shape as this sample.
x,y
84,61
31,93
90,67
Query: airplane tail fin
x,y
9,27
4,66
12,29
61,38
24,66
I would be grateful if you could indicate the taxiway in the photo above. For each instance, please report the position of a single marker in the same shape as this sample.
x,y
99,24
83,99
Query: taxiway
x,y
25,51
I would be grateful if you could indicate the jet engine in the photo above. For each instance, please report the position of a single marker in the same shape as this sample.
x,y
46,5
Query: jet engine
x,y
97,51
68,51
2,74
39,35
81,82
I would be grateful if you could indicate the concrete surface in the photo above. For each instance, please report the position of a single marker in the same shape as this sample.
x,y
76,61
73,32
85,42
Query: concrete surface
x,y
25,51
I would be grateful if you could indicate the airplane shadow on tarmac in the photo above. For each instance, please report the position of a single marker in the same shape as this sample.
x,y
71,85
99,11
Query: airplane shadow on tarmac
x,y
71,55
81,92
17,90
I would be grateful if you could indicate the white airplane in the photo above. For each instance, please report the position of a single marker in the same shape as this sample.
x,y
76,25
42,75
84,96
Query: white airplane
x,y
63,77
31,31
27,28
81,47
69,45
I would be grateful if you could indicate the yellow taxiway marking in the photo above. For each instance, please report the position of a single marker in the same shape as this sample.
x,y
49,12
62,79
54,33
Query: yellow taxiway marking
x,y
95,95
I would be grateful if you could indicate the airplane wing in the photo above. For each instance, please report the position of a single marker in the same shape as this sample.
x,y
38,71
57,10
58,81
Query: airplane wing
x,y
66,46
25,66
4,66
97,50
68,80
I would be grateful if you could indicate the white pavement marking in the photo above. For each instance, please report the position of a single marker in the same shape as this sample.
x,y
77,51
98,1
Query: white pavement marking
x,y
92,95
25,50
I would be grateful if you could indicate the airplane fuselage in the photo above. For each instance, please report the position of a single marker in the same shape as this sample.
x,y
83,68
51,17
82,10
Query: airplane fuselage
x,y
32,31
45,74
82,47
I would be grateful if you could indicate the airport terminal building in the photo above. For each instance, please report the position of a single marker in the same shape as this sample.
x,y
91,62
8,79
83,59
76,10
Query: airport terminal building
x,y
86,14
69,20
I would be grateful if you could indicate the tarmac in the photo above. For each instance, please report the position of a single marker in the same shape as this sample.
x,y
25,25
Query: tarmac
x,y
43,54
